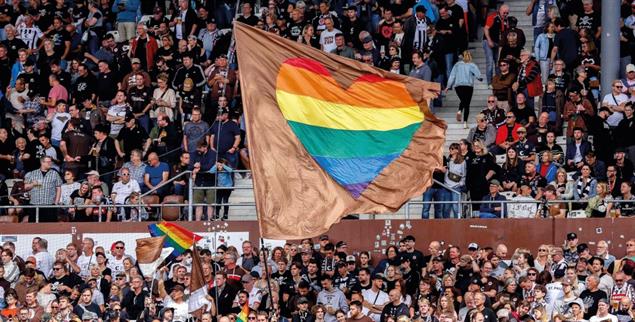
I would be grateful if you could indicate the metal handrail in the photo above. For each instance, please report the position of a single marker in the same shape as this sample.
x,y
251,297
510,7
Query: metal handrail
x,y
451,190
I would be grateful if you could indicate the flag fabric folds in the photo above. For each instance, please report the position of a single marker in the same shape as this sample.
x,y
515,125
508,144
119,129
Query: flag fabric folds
x,y
329,136
243,316
176,236
198,287
150,254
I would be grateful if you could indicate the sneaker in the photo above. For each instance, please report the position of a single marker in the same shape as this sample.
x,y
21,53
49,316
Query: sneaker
x,y
458,116
465,125
489,86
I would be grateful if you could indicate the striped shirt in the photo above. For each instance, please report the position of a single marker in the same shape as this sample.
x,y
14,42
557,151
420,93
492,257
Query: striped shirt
x,y
30,36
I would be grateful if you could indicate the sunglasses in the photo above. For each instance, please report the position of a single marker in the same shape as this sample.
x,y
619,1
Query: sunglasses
x,y
510,116
252,317
125,174
531,274
119,247
542,250
491,101
56,268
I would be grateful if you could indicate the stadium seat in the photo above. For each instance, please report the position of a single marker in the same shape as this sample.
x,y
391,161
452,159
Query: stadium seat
x,y
576,214
171,213
152,200
561,141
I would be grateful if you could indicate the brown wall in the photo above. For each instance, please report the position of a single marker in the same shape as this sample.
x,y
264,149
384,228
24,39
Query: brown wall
x,y
362,234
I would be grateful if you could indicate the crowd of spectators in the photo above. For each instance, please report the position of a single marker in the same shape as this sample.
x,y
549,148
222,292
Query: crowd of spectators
x,y
325,282
103,101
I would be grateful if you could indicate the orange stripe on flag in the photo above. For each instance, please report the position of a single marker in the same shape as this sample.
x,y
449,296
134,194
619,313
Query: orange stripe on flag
x,y
363,93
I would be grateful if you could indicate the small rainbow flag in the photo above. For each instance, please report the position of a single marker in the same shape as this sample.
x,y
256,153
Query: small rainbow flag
x,y
243,316
176,236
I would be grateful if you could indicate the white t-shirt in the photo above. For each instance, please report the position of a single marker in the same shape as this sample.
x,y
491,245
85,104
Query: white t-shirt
x,y
596,318
57,125
84,263
123,190
115,265
13,98
554,293
181,313
610,99
375,299
327,40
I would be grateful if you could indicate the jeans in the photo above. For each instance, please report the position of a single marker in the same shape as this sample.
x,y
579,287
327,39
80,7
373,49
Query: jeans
x,y
487,215
435,194
449,63
453,207
222,197
144,122
490,60
544,70
3,35
529,100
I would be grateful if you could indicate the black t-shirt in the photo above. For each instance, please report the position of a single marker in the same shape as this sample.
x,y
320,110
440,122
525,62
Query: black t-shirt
x,y
589,21
13,46
59,37
591,300
84,88
139,98
132,138
523,114
107,88
65,281
627,208
567,42
5,9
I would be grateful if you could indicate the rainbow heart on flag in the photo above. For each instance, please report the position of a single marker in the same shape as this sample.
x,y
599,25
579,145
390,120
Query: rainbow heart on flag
x,y
352,133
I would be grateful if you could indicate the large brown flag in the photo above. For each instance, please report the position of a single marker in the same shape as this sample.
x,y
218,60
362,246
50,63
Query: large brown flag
x,y
198,286
330,136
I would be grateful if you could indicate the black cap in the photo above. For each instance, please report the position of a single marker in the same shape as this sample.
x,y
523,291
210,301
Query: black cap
x,y
377,276
324,237
29,62
211,20
303,300
341,243
582,247
572,236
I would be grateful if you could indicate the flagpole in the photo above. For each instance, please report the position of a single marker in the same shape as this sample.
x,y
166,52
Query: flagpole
x,y
264,256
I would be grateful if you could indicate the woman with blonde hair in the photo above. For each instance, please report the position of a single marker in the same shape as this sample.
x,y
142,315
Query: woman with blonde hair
x,y
564,188
445,307
599,205
541,261
308,37
462,79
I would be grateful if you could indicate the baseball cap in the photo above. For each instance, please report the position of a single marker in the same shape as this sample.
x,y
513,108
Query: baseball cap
x,y
341,243
350,259
577,302
572,236
438,259
324,237
521,129
303,300
582,247
378,276
177,288
630,68
367,39
247,278
495,182
472,246
92,173
211,20
129,117
136,61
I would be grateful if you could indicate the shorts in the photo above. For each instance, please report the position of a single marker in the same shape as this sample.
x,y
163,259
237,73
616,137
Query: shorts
x,y
204,196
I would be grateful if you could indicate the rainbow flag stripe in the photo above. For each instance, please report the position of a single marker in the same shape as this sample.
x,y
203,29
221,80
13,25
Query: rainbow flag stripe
x,y
351,133
176,236
243,316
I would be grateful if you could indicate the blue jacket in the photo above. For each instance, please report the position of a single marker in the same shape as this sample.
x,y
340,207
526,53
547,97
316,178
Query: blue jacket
x,y
489,207
541,47
463,74
130,12
224,176
585,148
551,171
